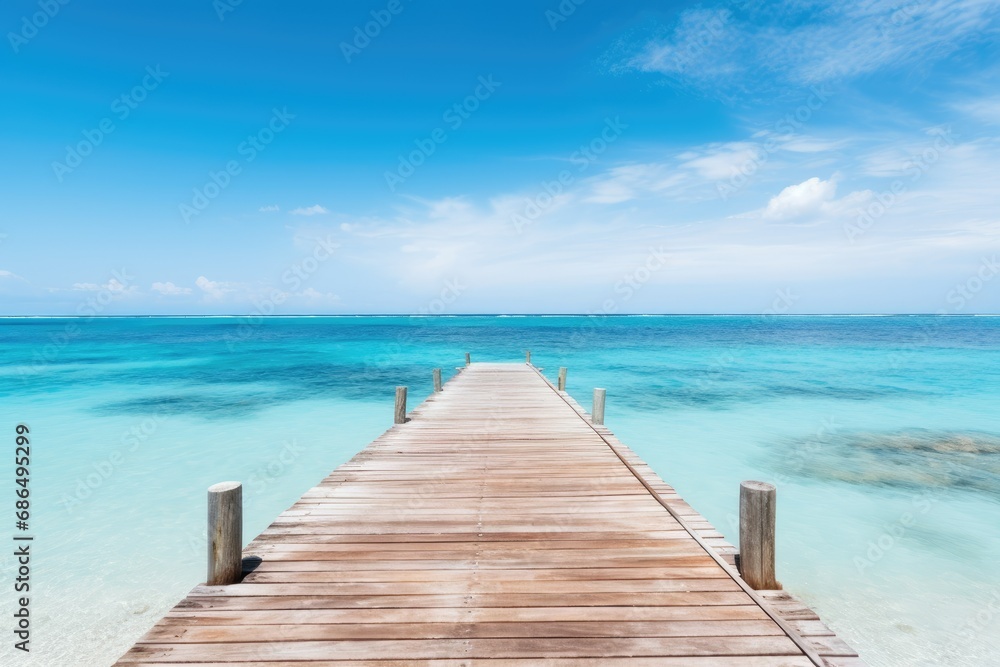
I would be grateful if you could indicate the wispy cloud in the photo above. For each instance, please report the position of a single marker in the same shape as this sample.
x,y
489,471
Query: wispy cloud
x,y
115,286
791,42
10,275
627,182
309,210
170,289
986,109
269,209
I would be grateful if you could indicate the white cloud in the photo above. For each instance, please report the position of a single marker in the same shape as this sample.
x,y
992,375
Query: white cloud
x,y
114,286
269,209
719,161
9,274
170,289
310,210
986,109
628,182
733,53
315,296
810,196
214,290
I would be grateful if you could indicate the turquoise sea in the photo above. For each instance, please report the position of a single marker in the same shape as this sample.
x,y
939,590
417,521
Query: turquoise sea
x,y
882,434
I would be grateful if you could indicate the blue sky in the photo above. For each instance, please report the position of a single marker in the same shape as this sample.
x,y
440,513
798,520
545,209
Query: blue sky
x,y
253,157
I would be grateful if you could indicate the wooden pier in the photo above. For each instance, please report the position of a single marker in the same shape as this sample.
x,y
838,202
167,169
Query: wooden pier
x,y
496,526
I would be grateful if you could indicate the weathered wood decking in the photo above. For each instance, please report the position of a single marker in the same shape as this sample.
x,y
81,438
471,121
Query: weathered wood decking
x,y
497,527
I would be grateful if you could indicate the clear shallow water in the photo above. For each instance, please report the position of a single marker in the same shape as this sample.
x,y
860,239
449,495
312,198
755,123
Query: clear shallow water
x,y
883,435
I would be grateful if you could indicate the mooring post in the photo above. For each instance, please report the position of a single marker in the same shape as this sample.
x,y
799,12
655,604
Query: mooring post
x,y
527,357
437,379
597,414
562,378
468,358
225,534
757,519
400,405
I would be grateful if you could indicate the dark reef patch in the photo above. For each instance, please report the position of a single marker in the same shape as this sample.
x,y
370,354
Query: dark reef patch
x,y
910,459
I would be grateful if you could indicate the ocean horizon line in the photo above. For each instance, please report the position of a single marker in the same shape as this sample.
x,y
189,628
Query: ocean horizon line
x,y
460,315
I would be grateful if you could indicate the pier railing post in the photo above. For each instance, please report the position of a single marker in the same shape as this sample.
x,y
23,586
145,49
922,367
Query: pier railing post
x,y
400,405
468,359
437,379
757,520
225,534
527,357
597,414
562,378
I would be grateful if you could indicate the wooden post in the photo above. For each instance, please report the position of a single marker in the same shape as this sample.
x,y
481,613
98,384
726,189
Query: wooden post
x,y
597,414
437,379
468,358
527,357
400,405
757,512
562,378
225,534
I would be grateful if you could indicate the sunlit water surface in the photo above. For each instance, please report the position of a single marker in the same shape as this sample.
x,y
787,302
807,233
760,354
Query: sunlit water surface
x,y
882,434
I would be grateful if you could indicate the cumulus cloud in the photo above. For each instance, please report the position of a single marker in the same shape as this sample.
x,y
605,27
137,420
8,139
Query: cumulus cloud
x,y
310,210
810,196
170,289
213,289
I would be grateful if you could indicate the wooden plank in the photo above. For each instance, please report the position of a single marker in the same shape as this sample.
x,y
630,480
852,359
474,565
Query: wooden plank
x,y
495,527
